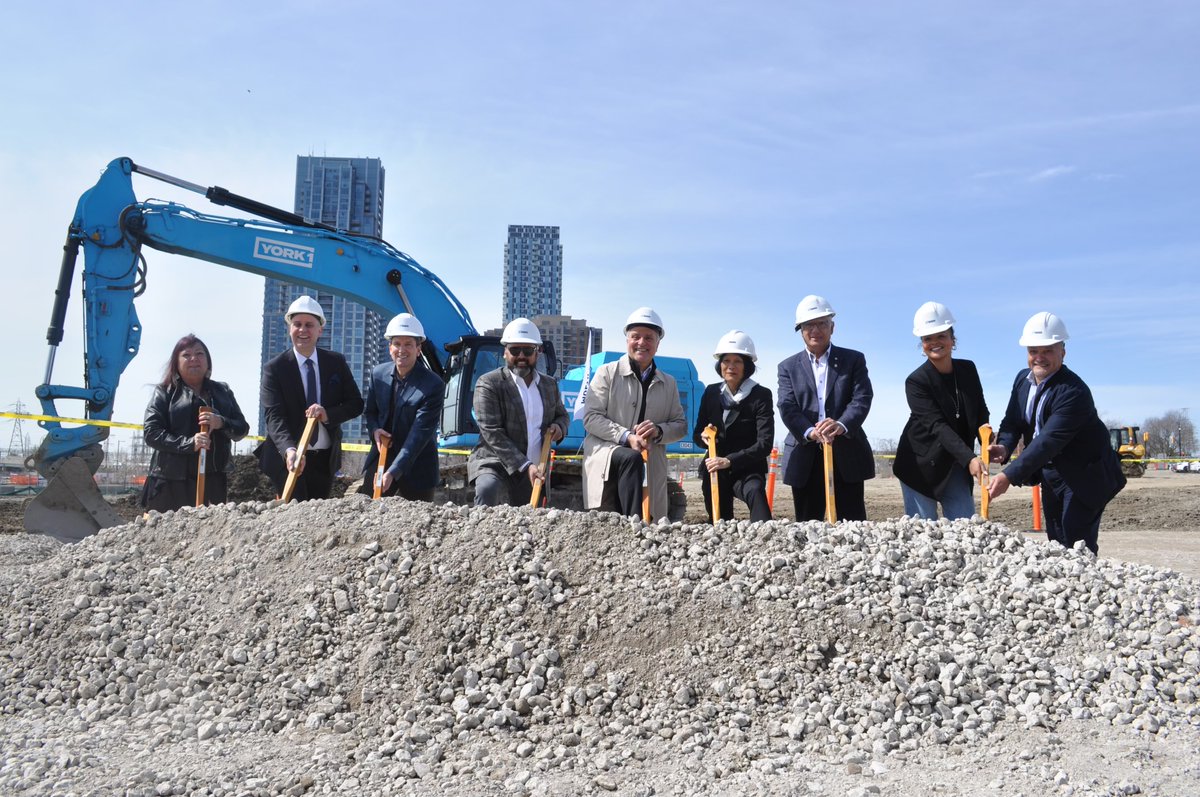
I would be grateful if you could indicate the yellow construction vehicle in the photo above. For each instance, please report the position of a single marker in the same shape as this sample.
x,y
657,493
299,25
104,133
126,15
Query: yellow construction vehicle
x,y
1131,448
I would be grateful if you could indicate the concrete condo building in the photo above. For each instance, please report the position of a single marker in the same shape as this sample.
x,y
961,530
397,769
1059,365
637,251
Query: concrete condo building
x,y
533,269
533,264
570,338
346,193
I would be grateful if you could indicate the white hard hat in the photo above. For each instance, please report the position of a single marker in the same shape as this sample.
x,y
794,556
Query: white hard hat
x,y
305,304
735,341
811,307
1044,329
405,325
645,317
521,330
932,318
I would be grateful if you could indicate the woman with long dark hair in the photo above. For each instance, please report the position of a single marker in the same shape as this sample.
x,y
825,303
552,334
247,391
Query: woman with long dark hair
x,y
935,460
186,398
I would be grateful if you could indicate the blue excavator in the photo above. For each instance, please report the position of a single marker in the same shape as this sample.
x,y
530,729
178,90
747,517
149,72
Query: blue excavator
x,y
113,227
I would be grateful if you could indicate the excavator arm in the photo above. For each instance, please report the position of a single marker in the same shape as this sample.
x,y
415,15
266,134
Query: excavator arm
x,y
111,227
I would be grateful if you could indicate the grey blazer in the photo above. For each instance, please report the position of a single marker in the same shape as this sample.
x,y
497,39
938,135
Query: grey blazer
x,y
503,438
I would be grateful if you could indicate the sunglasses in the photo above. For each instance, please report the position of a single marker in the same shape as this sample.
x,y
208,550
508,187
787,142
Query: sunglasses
x,y
522,351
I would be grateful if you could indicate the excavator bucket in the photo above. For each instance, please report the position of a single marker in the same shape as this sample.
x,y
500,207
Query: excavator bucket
x,y
71,507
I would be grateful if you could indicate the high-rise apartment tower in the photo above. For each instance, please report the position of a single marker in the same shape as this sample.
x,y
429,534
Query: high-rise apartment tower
x,y
533,261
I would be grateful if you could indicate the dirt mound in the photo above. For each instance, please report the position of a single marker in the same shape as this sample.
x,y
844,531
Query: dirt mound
x,y
383,641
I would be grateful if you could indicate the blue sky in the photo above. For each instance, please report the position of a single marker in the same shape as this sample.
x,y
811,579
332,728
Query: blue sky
x,y
716,161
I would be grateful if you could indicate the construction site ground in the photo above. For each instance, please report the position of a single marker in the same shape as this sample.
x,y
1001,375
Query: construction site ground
x,y
238,589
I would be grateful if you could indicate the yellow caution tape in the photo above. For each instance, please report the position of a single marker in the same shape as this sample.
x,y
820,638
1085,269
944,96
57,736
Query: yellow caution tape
x,y
361,448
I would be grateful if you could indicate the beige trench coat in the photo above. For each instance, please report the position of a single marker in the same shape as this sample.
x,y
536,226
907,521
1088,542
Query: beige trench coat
x,y
611,409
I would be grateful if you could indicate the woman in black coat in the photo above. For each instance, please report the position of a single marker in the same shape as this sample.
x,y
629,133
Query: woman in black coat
x,y
172,429
743,413
935,460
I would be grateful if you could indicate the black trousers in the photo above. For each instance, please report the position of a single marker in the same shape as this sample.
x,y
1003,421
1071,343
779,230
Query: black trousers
x,y
848,498
1068,520
750,488
168,495
315,482
399,487
623,488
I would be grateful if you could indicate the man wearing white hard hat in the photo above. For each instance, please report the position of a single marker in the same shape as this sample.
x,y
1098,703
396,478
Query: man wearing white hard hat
x,y
514,408
1067,448
631,407
404,407
824,397
306,382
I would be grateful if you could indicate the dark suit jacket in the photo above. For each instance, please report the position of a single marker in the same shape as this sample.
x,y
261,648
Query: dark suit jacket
x,y
929,445
1073,440
748,435
413,451
848,400
503,437
282,399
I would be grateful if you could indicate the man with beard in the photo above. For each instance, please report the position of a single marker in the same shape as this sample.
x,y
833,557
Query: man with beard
x,y
515,406
404,406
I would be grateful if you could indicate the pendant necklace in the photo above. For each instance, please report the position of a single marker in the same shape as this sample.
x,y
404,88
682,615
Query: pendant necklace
x,y
956,404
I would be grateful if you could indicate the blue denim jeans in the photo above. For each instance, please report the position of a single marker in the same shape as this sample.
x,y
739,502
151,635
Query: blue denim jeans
x,y
958,500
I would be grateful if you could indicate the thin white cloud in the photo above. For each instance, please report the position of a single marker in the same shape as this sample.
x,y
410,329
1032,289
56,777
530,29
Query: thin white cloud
x,y
1050,173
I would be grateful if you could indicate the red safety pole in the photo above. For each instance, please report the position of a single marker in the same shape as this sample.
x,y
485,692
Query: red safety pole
x,y
1037,507
549,473
771,479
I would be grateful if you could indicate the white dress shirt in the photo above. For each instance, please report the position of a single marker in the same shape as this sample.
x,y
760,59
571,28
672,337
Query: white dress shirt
x,y
323,439
531,400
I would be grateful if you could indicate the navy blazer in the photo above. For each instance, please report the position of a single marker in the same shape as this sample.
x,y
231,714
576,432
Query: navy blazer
x,y
746,437
283,403
929,445
848,400
1072,441
412,453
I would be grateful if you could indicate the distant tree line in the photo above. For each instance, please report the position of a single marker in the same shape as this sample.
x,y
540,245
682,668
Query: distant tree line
x,y
1171,435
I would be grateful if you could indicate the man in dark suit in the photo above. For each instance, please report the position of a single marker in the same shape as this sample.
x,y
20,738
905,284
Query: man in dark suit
x,y
824,397
1067,448
306,382
514,407
404,407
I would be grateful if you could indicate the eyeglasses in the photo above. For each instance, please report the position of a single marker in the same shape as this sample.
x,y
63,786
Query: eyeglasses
x,y
815,325
522,351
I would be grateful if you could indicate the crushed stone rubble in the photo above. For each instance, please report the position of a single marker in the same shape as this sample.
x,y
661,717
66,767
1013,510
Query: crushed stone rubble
x,y
360,646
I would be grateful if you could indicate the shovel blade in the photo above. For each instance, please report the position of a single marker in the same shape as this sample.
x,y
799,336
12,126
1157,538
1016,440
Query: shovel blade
x,y
71,507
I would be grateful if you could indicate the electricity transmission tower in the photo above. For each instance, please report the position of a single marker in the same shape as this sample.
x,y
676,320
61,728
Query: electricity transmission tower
x,y
16,441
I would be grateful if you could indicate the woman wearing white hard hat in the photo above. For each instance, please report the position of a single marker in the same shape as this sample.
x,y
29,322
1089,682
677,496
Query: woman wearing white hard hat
x,y
935,460
743,413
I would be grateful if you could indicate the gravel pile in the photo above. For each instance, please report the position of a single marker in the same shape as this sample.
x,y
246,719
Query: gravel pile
x,y
383,647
